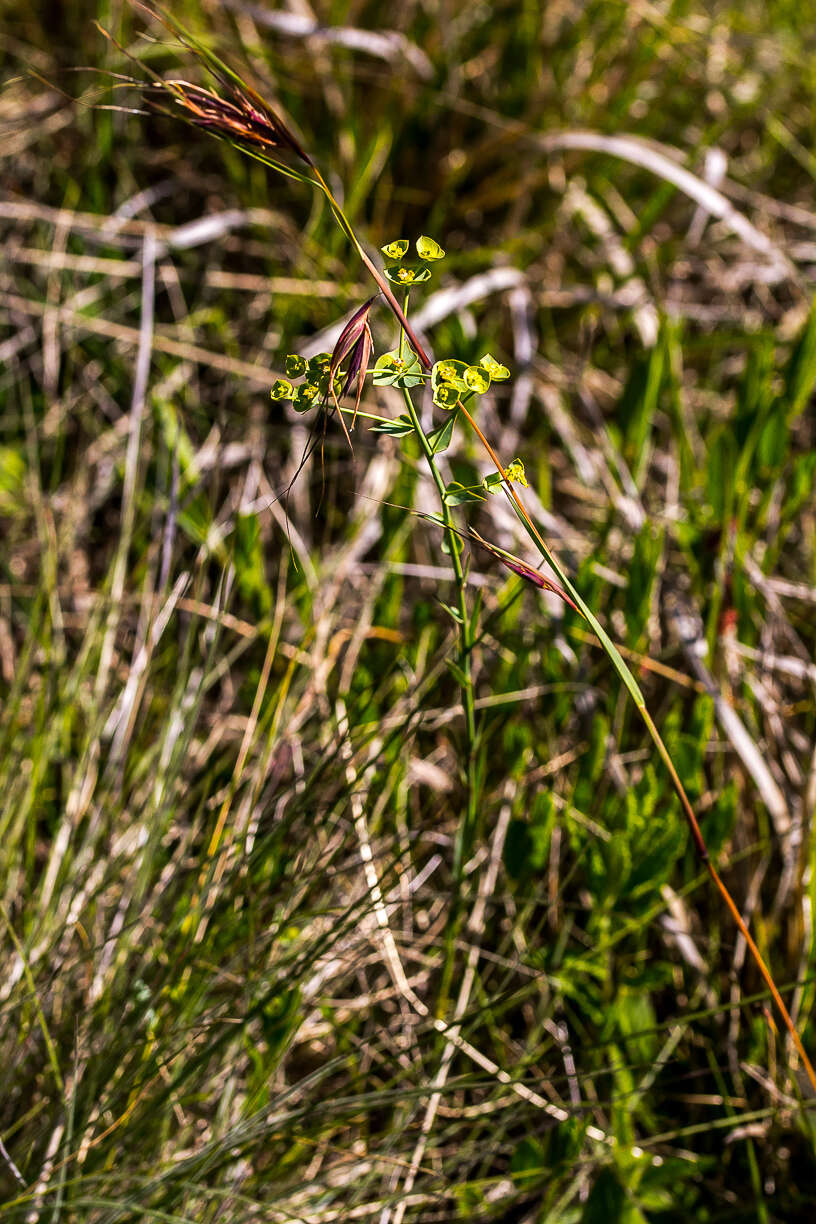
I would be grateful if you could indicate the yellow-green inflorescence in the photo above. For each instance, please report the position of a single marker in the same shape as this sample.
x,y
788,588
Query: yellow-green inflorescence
x,y
405,274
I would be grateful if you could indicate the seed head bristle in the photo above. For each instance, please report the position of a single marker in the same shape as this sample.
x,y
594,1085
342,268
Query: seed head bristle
x,y
237,118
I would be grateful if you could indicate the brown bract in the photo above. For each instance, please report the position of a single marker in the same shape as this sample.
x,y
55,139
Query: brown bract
x,y
354,342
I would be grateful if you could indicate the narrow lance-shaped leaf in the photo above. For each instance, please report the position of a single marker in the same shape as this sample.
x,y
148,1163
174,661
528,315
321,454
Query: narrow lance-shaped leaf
x,y
525,571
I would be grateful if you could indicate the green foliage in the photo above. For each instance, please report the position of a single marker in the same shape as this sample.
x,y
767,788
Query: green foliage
x,y
450,373
282,389
638,405
12,474
305,396
446,396
396,250
399,274
495,369
457,494
441,437
477,379
392,370
248,559
213,684
400,427
648,547
527,846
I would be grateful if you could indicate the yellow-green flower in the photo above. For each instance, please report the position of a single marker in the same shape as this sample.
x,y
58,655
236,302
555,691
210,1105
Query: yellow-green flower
x,y
515,472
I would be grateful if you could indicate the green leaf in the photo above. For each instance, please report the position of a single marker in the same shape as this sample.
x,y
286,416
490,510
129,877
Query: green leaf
x,y
773,443
436,517
518,845
477,379
282,389
800,375
279,1016
440,438
295,365
642,570
12,477
720,473
391,370
452,612
248,559
496,371
607,1202
400,275
321,381
428,249
457,673
395,429
196,521
457,494
528,1161
638,405
319,365
493,482
395,250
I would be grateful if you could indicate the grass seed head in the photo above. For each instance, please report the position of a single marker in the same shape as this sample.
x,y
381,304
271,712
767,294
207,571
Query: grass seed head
x,y
239,114
240,119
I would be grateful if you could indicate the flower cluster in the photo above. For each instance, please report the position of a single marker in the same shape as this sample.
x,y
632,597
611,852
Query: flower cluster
x,y
315,384
404,272
451,379
323,378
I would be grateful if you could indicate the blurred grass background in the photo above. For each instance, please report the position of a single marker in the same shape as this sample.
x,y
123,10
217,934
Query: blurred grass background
x,y
226,715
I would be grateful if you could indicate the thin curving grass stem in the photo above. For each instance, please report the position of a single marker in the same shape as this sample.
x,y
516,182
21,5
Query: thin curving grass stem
x,y
372,268
702,850
34,993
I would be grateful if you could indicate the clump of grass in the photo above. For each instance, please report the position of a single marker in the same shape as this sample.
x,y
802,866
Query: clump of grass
x,y
454,394
233,785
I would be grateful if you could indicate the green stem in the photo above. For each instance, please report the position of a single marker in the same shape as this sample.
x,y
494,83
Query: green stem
x,y
402,329
467,826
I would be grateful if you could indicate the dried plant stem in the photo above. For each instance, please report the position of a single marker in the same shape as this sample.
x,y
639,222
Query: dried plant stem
x,y
702,850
